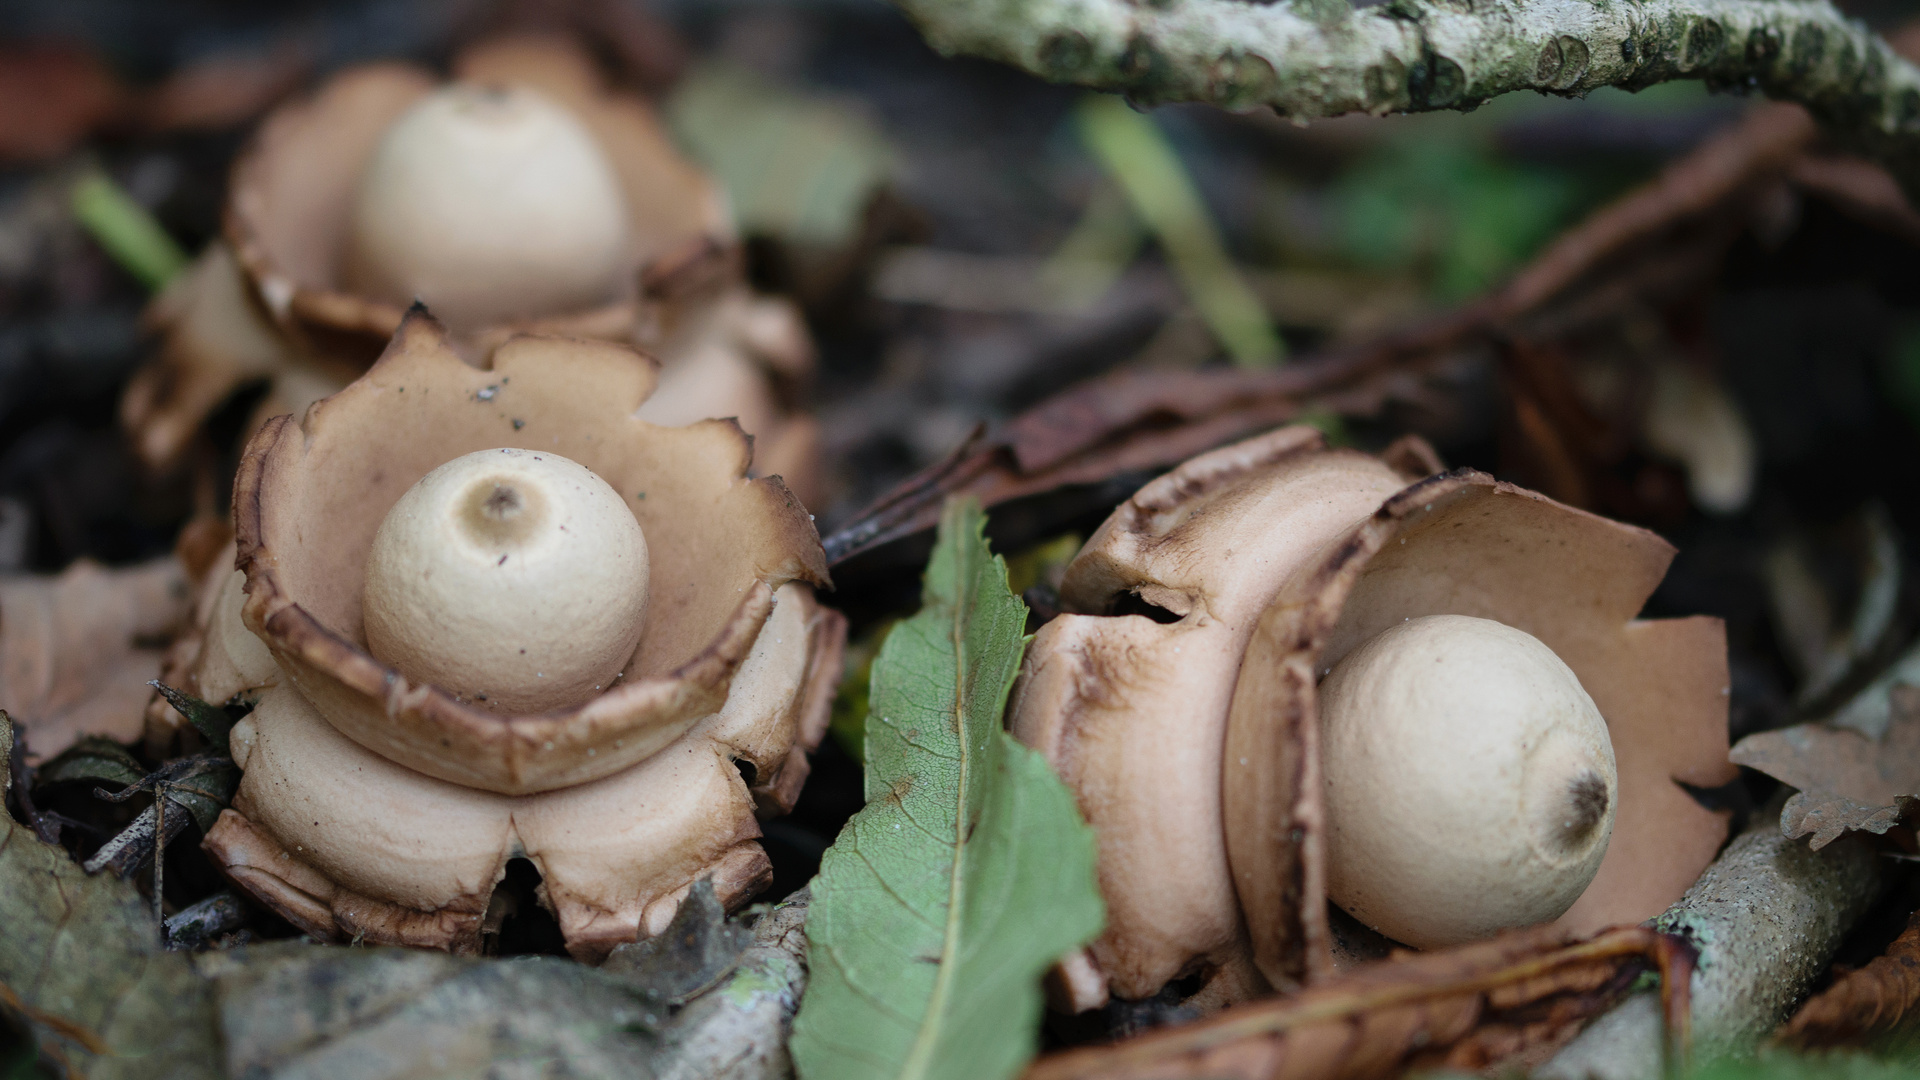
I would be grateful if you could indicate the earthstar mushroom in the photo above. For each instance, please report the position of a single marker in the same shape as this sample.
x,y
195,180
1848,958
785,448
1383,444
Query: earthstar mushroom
x,y
525,195
381,797
1181,696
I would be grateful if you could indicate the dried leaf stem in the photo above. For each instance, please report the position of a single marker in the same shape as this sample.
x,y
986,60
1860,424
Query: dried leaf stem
x,y
1429,979
1657,242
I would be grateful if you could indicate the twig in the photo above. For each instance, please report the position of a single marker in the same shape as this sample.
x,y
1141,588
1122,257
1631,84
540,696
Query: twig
x,y
1318,58
1767,916
1659,241
18,782
161,796
202,922
738,1031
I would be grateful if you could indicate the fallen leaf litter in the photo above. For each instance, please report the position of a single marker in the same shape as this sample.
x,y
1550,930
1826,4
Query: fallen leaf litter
x,y
1517,999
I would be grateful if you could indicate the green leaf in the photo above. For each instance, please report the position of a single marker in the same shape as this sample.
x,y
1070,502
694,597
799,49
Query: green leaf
x,y
1139,158
969,871
800,166
1842,1064
213,722
1465,216
848,722
94,758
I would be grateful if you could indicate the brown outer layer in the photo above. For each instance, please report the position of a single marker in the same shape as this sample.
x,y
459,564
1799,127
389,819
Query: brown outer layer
x,y
1472,545
612,867
333,133
778,782
279,880
425,727
1132,711
1123,705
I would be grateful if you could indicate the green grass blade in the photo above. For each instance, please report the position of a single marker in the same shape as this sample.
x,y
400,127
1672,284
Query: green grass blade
x,y
127,232
1146,168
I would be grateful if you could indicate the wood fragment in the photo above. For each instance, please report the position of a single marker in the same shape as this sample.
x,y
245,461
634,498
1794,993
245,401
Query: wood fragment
x,y
200,923
1376,1019
1311,60
1766,918
739,1030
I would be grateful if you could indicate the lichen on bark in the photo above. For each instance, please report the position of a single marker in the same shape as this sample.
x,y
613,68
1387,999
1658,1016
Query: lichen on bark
x,y
1318,58
1767,917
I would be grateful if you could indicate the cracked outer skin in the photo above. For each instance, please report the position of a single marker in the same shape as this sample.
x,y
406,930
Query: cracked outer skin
x,y
1132,712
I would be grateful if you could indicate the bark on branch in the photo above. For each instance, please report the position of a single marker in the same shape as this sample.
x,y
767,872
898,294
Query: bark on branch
x,y
1317,58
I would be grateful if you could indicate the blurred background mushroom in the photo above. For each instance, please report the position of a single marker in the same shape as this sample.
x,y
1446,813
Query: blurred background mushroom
x,y
526,194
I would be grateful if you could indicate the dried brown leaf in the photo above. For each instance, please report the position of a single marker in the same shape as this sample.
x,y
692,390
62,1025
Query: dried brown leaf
x,y
1848,781
1465,1007
698,948
1654,247
78,648
51,97
223,90
1872,1000
54,95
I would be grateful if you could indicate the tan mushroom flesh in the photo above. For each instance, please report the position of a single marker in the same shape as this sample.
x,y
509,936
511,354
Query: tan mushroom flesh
x,y
1131,709
1201,770
348,845
1465,544
376,807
